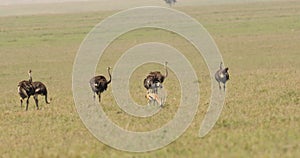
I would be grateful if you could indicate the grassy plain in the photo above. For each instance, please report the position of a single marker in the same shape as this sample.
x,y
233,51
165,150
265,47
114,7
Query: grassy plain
x,y
261,118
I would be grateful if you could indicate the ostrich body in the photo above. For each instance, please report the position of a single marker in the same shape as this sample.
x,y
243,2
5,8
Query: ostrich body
x,y
149,82
155,79
222,75
99,84
28,88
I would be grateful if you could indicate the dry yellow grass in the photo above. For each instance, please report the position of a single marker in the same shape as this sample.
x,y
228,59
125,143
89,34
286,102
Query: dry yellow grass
x,y
259,42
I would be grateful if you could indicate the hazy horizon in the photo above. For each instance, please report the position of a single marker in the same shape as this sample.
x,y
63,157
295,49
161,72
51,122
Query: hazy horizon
x,y
31,7
20,2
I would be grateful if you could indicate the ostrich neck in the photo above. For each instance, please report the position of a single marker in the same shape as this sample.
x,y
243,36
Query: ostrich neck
x,y
166,71
109,76
30,78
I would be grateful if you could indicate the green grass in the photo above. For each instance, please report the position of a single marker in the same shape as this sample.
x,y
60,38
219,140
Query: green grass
x,y
259,42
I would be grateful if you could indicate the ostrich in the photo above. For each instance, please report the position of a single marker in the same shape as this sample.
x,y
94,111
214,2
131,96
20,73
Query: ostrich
x,y
25,90
29,88
155,79
99,84
170,2
39,89
151,90
222,75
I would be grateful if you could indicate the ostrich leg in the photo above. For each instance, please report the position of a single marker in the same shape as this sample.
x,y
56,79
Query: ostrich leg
x,y
99,95
94,96
21,100
27,102
36,101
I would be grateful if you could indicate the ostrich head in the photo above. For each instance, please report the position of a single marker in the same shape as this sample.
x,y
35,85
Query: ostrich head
x,y
221,65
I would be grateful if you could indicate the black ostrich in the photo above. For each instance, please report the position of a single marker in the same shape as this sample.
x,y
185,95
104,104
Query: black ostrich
x,y
40,89
151,86
99,84
29,88
25,90
155,79
170,2
222,75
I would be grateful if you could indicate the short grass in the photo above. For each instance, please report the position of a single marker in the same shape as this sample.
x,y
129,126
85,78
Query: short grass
x,y
259,42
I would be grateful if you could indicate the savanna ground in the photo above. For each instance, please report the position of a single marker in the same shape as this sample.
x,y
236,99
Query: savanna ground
x,y
261,118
